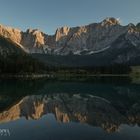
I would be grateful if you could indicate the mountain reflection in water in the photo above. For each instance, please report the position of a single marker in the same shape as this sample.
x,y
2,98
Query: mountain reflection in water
x,y
104,105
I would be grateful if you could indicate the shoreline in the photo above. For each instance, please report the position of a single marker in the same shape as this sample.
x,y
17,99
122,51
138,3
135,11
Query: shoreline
x,y
62,75
55,75
26,76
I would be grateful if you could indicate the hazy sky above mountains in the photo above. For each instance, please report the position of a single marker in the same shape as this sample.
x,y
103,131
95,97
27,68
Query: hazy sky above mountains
x,y
47,15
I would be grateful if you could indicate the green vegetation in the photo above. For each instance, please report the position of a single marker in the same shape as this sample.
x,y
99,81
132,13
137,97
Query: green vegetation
x,y
20,64
135,70
113,69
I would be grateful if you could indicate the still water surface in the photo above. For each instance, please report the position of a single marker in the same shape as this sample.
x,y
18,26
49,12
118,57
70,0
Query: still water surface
x,y
87,109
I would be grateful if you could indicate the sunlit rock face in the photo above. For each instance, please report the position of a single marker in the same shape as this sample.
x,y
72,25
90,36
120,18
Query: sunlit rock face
x,y
61,33
110,21
33,40
89,109
8,32
89,39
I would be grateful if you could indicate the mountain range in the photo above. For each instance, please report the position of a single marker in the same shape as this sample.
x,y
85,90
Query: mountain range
x,y
104,43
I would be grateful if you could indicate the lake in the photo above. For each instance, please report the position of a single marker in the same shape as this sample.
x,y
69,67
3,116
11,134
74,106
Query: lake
x,y
84,109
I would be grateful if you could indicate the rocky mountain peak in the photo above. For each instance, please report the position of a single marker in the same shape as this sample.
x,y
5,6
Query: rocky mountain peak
x,y
33,39
138,26
11,33
61,32
89,39
33,31
29,30
110,21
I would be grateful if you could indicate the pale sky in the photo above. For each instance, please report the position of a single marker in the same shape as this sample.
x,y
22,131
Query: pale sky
x,y
47,15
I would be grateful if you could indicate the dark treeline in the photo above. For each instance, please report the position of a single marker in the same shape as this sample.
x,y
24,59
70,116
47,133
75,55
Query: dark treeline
x,y
23,63
20,64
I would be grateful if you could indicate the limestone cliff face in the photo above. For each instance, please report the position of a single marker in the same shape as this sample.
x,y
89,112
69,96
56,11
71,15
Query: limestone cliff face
x,y
33,40
90,39
8,32
61,33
